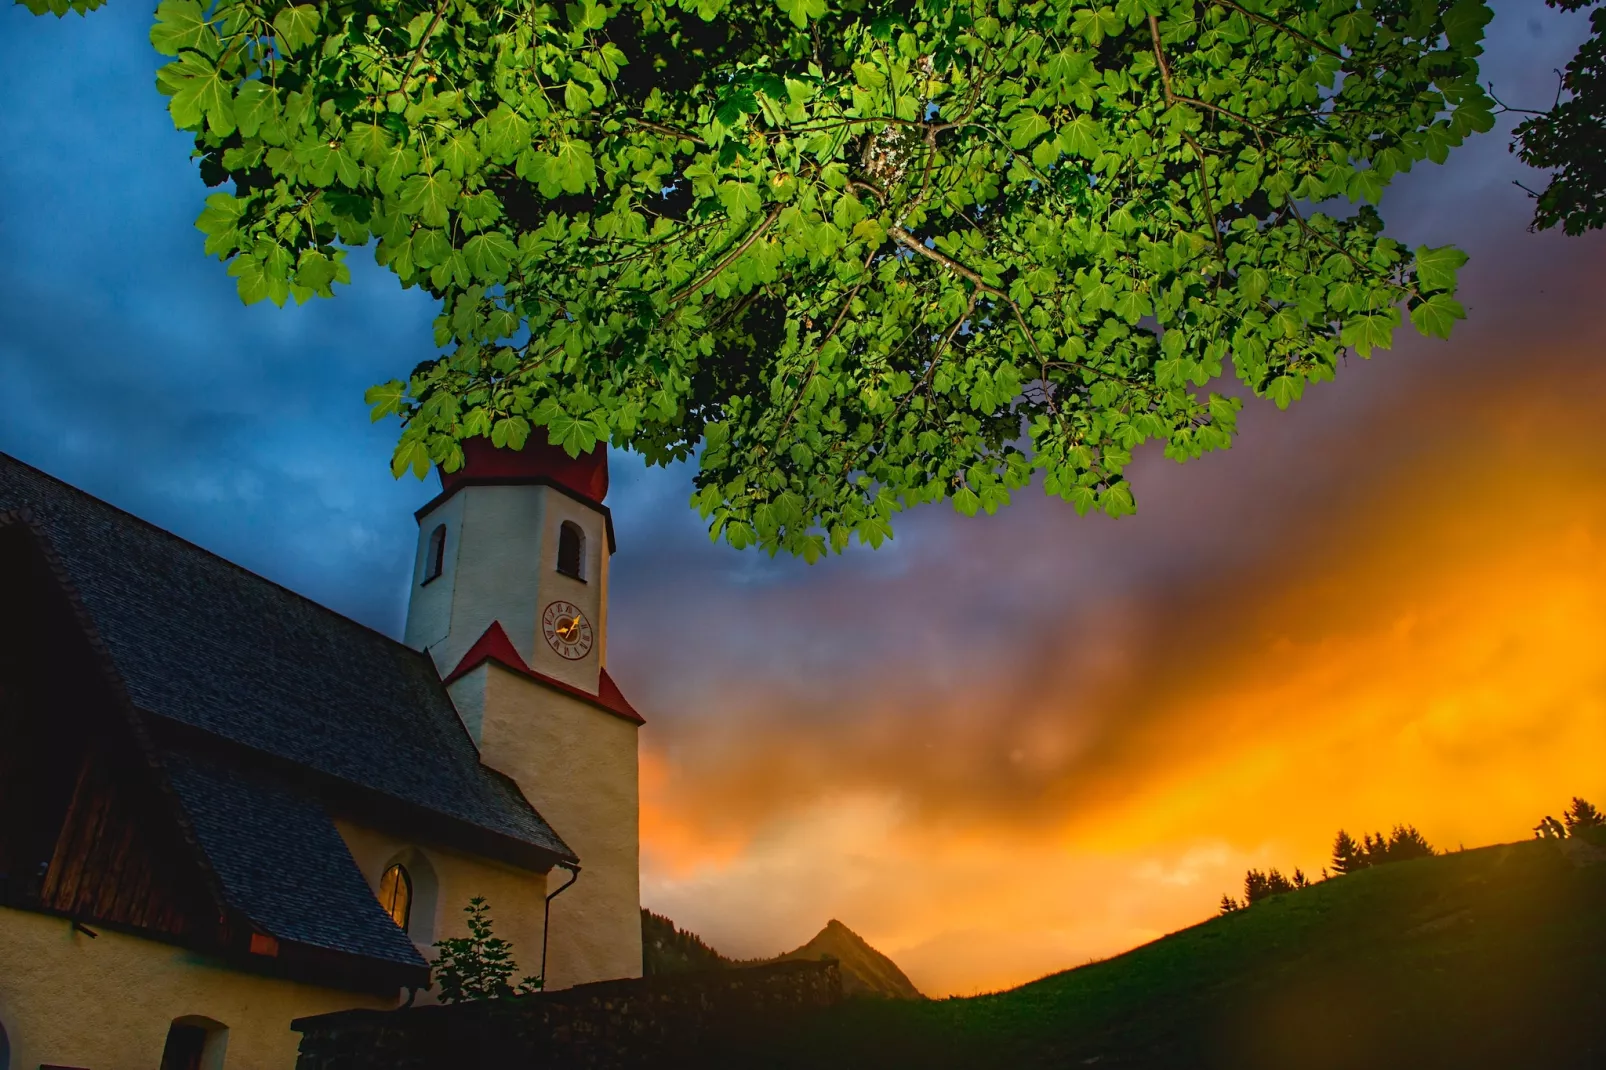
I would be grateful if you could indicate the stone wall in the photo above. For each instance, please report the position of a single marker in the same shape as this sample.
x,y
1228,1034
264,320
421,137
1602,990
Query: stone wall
x,y
677,1020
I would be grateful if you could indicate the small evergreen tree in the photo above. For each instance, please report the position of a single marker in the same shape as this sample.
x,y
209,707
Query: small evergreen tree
x,y
1258,885
1406,843
1582,815
1348,856
479,965
1229,905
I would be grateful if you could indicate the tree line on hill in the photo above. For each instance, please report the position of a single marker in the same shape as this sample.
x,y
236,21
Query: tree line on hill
x,y
1403,843
1579,820
1350,855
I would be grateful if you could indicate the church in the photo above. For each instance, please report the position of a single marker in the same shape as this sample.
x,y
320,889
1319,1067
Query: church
x,y
224,807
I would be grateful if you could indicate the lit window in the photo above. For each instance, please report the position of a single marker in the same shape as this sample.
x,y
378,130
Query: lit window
x,y
571,549
396,895
435,560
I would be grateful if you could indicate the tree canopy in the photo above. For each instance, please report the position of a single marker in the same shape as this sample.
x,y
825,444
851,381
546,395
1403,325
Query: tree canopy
x,y
1571,136
852,255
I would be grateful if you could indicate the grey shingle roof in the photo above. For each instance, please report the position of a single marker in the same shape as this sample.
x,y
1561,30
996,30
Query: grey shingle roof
x,y
201,641
282,863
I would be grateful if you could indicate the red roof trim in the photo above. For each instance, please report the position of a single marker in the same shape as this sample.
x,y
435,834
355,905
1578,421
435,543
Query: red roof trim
x,y
495,646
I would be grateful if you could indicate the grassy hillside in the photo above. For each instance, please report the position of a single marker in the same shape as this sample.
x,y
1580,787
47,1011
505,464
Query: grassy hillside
x,y
1479,959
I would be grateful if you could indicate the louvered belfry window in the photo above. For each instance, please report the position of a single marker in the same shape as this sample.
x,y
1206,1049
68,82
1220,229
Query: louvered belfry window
x,y
571,549
435,560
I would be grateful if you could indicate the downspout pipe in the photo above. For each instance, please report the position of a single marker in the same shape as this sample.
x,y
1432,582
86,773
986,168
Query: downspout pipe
x,y
546,918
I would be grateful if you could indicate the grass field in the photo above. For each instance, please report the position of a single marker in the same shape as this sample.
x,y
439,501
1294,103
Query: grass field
x,y
1490,958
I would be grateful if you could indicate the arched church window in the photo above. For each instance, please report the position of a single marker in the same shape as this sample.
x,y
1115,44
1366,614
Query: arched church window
x,y
571,549
435,558
396,895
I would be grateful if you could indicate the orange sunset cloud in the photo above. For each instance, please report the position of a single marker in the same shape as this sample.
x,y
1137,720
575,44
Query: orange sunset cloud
x,y
1419,636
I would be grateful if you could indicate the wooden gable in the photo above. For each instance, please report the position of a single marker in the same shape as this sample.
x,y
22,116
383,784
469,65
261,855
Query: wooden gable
x,y
86,829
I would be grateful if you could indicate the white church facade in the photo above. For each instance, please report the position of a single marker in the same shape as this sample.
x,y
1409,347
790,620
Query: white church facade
x,y
224,807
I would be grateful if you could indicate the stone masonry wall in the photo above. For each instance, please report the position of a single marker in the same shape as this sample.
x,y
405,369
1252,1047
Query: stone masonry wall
x,y
676,1020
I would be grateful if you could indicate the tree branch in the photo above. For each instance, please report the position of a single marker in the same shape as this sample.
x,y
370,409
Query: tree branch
x,y
747,243
1209,201
1173,97
418,53
1274,24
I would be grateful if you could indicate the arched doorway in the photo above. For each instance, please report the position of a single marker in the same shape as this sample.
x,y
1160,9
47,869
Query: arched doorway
x,y
194,1043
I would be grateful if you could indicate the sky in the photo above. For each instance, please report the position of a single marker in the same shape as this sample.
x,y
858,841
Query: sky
x,y
995,747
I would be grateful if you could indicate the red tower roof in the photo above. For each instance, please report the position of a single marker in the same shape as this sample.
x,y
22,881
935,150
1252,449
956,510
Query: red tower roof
x,y
585,475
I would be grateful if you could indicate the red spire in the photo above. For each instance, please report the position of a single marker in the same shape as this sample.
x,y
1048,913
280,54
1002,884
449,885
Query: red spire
x,y
585,475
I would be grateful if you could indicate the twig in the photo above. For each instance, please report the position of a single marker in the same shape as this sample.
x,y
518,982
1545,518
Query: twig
x,y
418,53
1204,195
1289,30
732,255
814,364
1173,97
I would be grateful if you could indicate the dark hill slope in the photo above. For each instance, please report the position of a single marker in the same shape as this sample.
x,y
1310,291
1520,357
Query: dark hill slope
x,y
1484,959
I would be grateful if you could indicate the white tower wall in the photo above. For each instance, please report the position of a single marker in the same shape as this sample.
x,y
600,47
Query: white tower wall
x,y
574,758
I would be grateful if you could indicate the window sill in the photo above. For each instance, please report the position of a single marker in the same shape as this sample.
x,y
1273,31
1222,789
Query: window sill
x,y
572,575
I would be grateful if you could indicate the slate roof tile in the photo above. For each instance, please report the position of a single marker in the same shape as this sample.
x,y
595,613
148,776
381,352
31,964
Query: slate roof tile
x,y
283,864
204,642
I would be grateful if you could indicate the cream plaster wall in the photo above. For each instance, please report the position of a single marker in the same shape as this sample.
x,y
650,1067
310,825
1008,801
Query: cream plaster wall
x,y
515,896
578,766
106,1003
590,593
429,610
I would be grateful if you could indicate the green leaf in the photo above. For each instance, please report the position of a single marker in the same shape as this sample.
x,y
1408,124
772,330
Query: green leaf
x,y
430,197
1436,267
387,399
296,27
488,255
801,11
1027,127
1366,185
1436,316
1464,22
1082,136
1285,390
199,93
255,103
180,25
413,454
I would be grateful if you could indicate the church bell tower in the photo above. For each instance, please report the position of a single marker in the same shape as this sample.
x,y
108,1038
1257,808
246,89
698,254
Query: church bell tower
x,y
510,599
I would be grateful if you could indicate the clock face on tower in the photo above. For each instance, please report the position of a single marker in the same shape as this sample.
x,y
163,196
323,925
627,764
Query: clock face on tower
x,y
567,631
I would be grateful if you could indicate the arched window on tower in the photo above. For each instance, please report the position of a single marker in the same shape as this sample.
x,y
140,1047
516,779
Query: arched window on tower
x,y
435,557
571,550
396,895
